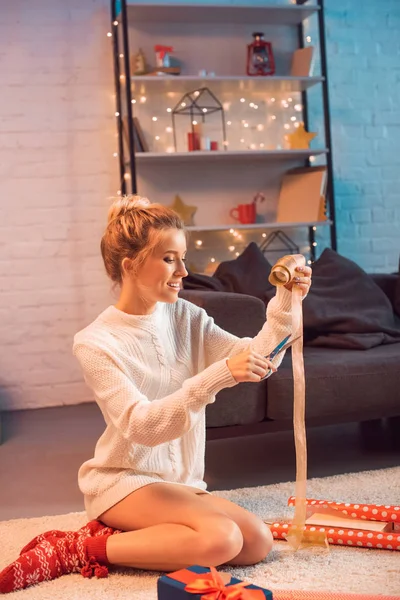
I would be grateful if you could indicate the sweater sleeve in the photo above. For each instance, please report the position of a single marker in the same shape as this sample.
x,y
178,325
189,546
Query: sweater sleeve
x,y
278,325
138,419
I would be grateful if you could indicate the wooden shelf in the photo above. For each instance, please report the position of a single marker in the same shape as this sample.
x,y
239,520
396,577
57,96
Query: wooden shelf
x,y
231,12
257,226
228,155
222,83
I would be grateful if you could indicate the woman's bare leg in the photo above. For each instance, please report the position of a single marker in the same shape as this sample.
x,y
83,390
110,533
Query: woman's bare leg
x,y
169,527
257,537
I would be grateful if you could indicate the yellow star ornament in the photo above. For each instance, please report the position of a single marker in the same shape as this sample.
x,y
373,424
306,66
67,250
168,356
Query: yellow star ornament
x,y
185,211
300,138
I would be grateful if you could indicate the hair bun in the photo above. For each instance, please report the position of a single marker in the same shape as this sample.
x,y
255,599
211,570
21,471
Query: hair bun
x,y
120,206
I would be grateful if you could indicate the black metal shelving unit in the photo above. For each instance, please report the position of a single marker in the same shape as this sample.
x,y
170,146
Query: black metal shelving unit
x,y
126,151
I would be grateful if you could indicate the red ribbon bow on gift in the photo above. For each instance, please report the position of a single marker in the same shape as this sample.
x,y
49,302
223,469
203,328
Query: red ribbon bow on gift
x,y
212,587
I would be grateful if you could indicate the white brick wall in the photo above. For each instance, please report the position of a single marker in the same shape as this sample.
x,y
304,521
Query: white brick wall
x,y
57,135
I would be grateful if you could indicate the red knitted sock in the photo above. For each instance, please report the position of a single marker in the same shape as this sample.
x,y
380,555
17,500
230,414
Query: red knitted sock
x,y
92,528
56,556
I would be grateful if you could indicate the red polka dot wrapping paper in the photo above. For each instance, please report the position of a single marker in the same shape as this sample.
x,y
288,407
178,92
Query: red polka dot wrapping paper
x,y
345,537
371,512
348,536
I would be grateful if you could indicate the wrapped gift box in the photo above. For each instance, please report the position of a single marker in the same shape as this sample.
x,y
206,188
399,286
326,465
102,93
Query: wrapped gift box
x,y
347,524
195,582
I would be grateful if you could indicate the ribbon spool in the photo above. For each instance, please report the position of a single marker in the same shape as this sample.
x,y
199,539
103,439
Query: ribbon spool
x,y
282,273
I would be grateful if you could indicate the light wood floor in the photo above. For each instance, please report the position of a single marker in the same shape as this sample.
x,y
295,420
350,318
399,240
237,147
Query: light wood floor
x,y
43,449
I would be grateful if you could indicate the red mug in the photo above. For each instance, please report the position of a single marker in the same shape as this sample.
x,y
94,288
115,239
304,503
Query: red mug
x,y
244,213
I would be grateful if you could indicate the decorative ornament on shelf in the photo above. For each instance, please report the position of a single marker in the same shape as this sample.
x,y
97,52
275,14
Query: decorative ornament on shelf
x,y
139,63
260,58
197,105
300,138
185,211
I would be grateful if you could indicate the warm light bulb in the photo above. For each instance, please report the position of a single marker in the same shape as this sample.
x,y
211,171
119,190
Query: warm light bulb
x,y
242,99
121,56
314,244
183,104
290,99
143,99
252,146
212,260
204,110
286,126
157,137
293,118
235,233
119,193
199,243
251,104
117,114
264,235
255,106
231,248
115,23
298,107
169,109
273,117
245,125
260,127
314,228
272,99
168,129
109,34
231,231
308,38
133,101
229,122
196,93
115,154
225,143
297,124
122,77
262,145
309,262
237,253
154,118
127,176
194,122
242,141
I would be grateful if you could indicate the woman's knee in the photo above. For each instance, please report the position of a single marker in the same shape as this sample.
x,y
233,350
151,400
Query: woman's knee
x,y
220,541
257,544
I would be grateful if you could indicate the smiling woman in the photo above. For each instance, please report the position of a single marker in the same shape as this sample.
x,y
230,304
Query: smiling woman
x,y
154,362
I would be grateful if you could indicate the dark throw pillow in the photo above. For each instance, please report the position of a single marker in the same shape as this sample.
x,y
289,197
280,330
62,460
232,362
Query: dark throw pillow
x,y
345,308
397,294
247,274
196,281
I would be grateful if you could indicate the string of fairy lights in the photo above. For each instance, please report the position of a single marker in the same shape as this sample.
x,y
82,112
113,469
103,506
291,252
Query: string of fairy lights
x,y
293,122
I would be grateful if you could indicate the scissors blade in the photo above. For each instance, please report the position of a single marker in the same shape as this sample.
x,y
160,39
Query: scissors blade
x,y
282,346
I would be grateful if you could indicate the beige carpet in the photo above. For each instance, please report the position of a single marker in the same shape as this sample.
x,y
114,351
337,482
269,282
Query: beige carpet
x,y
341,569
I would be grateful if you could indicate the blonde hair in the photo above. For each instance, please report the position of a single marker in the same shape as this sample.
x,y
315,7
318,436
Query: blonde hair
x,y
131,232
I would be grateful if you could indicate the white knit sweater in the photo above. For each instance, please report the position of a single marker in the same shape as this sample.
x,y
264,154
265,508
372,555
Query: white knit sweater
x,y
152,377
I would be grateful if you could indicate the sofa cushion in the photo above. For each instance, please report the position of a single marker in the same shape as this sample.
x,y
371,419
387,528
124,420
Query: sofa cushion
x,y
247,274
345,308
339,383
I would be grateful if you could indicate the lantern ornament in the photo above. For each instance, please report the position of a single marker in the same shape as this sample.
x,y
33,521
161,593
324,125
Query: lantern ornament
x,y
198,105
260,58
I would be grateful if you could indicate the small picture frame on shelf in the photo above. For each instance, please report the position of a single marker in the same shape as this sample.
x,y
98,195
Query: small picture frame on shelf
x,y
302,62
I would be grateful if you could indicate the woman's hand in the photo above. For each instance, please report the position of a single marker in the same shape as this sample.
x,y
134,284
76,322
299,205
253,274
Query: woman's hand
x,y
301,280
249,366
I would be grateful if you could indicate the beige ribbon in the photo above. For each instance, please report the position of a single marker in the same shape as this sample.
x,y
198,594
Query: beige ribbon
x,y
281,274
295,534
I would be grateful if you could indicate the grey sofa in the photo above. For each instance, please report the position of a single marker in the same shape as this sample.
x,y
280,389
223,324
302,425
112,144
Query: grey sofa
x,y
341,385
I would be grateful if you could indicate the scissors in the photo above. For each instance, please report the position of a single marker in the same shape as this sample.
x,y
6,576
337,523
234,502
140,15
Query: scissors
x,y
281,347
